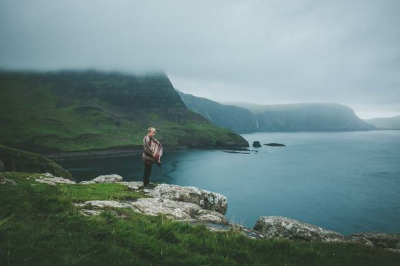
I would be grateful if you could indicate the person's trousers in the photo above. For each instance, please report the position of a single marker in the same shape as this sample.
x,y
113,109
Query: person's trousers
x,y
146,174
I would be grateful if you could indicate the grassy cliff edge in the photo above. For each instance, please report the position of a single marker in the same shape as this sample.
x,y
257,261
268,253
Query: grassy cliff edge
x,y
39,225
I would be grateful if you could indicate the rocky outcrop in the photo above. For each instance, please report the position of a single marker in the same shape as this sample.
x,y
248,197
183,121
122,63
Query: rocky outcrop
x,y
282,227
49,179
256,144
14,160
104,179
206,199
381,240
189,204
6,181
194,205
182,211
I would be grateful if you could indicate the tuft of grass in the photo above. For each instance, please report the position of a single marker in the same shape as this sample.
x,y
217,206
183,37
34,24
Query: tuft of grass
x,y
41,226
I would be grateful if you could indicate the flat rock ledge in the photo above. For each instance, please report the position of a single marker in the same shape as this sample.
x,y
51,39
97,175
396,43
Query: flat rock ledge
x,y
182,211
49,179
282,227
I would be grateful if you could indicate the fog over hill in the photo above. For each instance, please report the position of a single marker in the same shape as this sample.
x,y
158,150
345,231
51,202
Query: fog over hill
x,y
90,110
385,122
281,117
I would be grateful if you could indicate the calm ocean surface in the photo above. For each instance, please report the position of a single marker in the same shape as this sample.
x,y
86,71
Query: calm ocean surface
x,y
348,182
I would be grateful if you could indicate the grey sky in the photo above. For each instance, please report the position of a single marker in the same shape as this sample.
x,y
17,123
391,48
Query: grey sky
x,y
265,52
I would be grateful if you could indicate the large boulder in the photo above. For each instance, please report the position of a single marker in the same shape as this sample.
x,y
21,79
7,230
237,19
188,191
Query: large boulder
x,y
104,179
206,199
282,227
256,144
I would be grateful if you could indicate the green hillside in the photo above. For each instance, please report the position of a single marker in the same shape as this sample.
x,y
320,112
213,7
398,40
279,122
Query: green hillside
x,y
88,110
22,161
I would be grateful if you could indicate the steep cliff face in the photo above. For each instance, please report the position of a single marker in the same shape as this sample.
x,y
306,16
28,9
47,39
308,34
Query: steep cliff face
x,y
278,118
79,111
232,117
310,117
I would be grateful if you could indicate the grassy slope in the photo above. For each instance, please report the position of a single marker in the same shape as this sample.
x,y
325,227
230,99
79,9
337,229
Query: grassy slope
x,y
22,161
77,111
40,226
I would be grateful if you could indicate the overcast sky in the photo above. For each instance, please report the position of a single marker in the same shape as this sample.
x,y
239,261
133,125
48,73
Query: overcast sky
x,y
265,52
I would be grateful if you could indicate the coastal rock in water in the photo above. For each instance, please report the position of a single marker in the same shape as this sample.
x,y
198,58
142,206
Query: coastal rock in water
x,y
48,178
282,227
104,179
206,199
380,240
256,144
6,181
1,166
275,144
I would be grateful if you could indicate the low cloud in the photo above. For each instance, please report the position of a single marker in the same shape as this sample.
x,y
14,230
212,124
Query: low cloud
x,y
255,51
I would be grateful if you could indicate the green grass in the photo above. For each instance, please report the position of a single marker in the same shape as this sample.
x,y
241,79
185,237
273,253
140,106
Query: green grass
x,y
80,111
39,225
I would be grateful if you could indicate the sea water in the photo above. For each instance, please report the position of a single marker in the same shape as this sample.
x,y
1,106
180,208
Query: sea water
x,y
348,182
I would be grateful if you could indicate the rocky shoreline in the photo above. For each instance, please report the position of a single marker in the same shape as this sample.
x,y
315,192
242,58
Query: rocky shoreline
x,y
194,206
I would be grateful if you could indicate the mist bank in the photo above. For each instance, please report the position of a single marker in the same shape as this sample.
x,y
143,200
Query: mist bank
x,y
69,111
385,122
278,118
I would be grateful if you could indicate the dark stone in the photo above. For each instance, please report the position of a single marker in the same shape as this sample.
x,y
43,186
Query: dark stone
x,y
1,166
275,144
381,240
21,161
256,144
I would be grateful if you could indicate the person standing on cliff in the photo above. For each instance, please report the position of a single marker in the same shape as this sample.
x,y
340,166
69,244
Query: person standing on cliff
x,y
152,152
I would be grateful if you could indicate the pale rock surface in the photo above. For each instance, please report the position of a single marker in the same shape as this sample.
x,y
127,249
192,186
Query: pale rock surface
x,y
177,210
49,179
206,199
183,211
104,204
114,178
381,240
4,180
282,227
